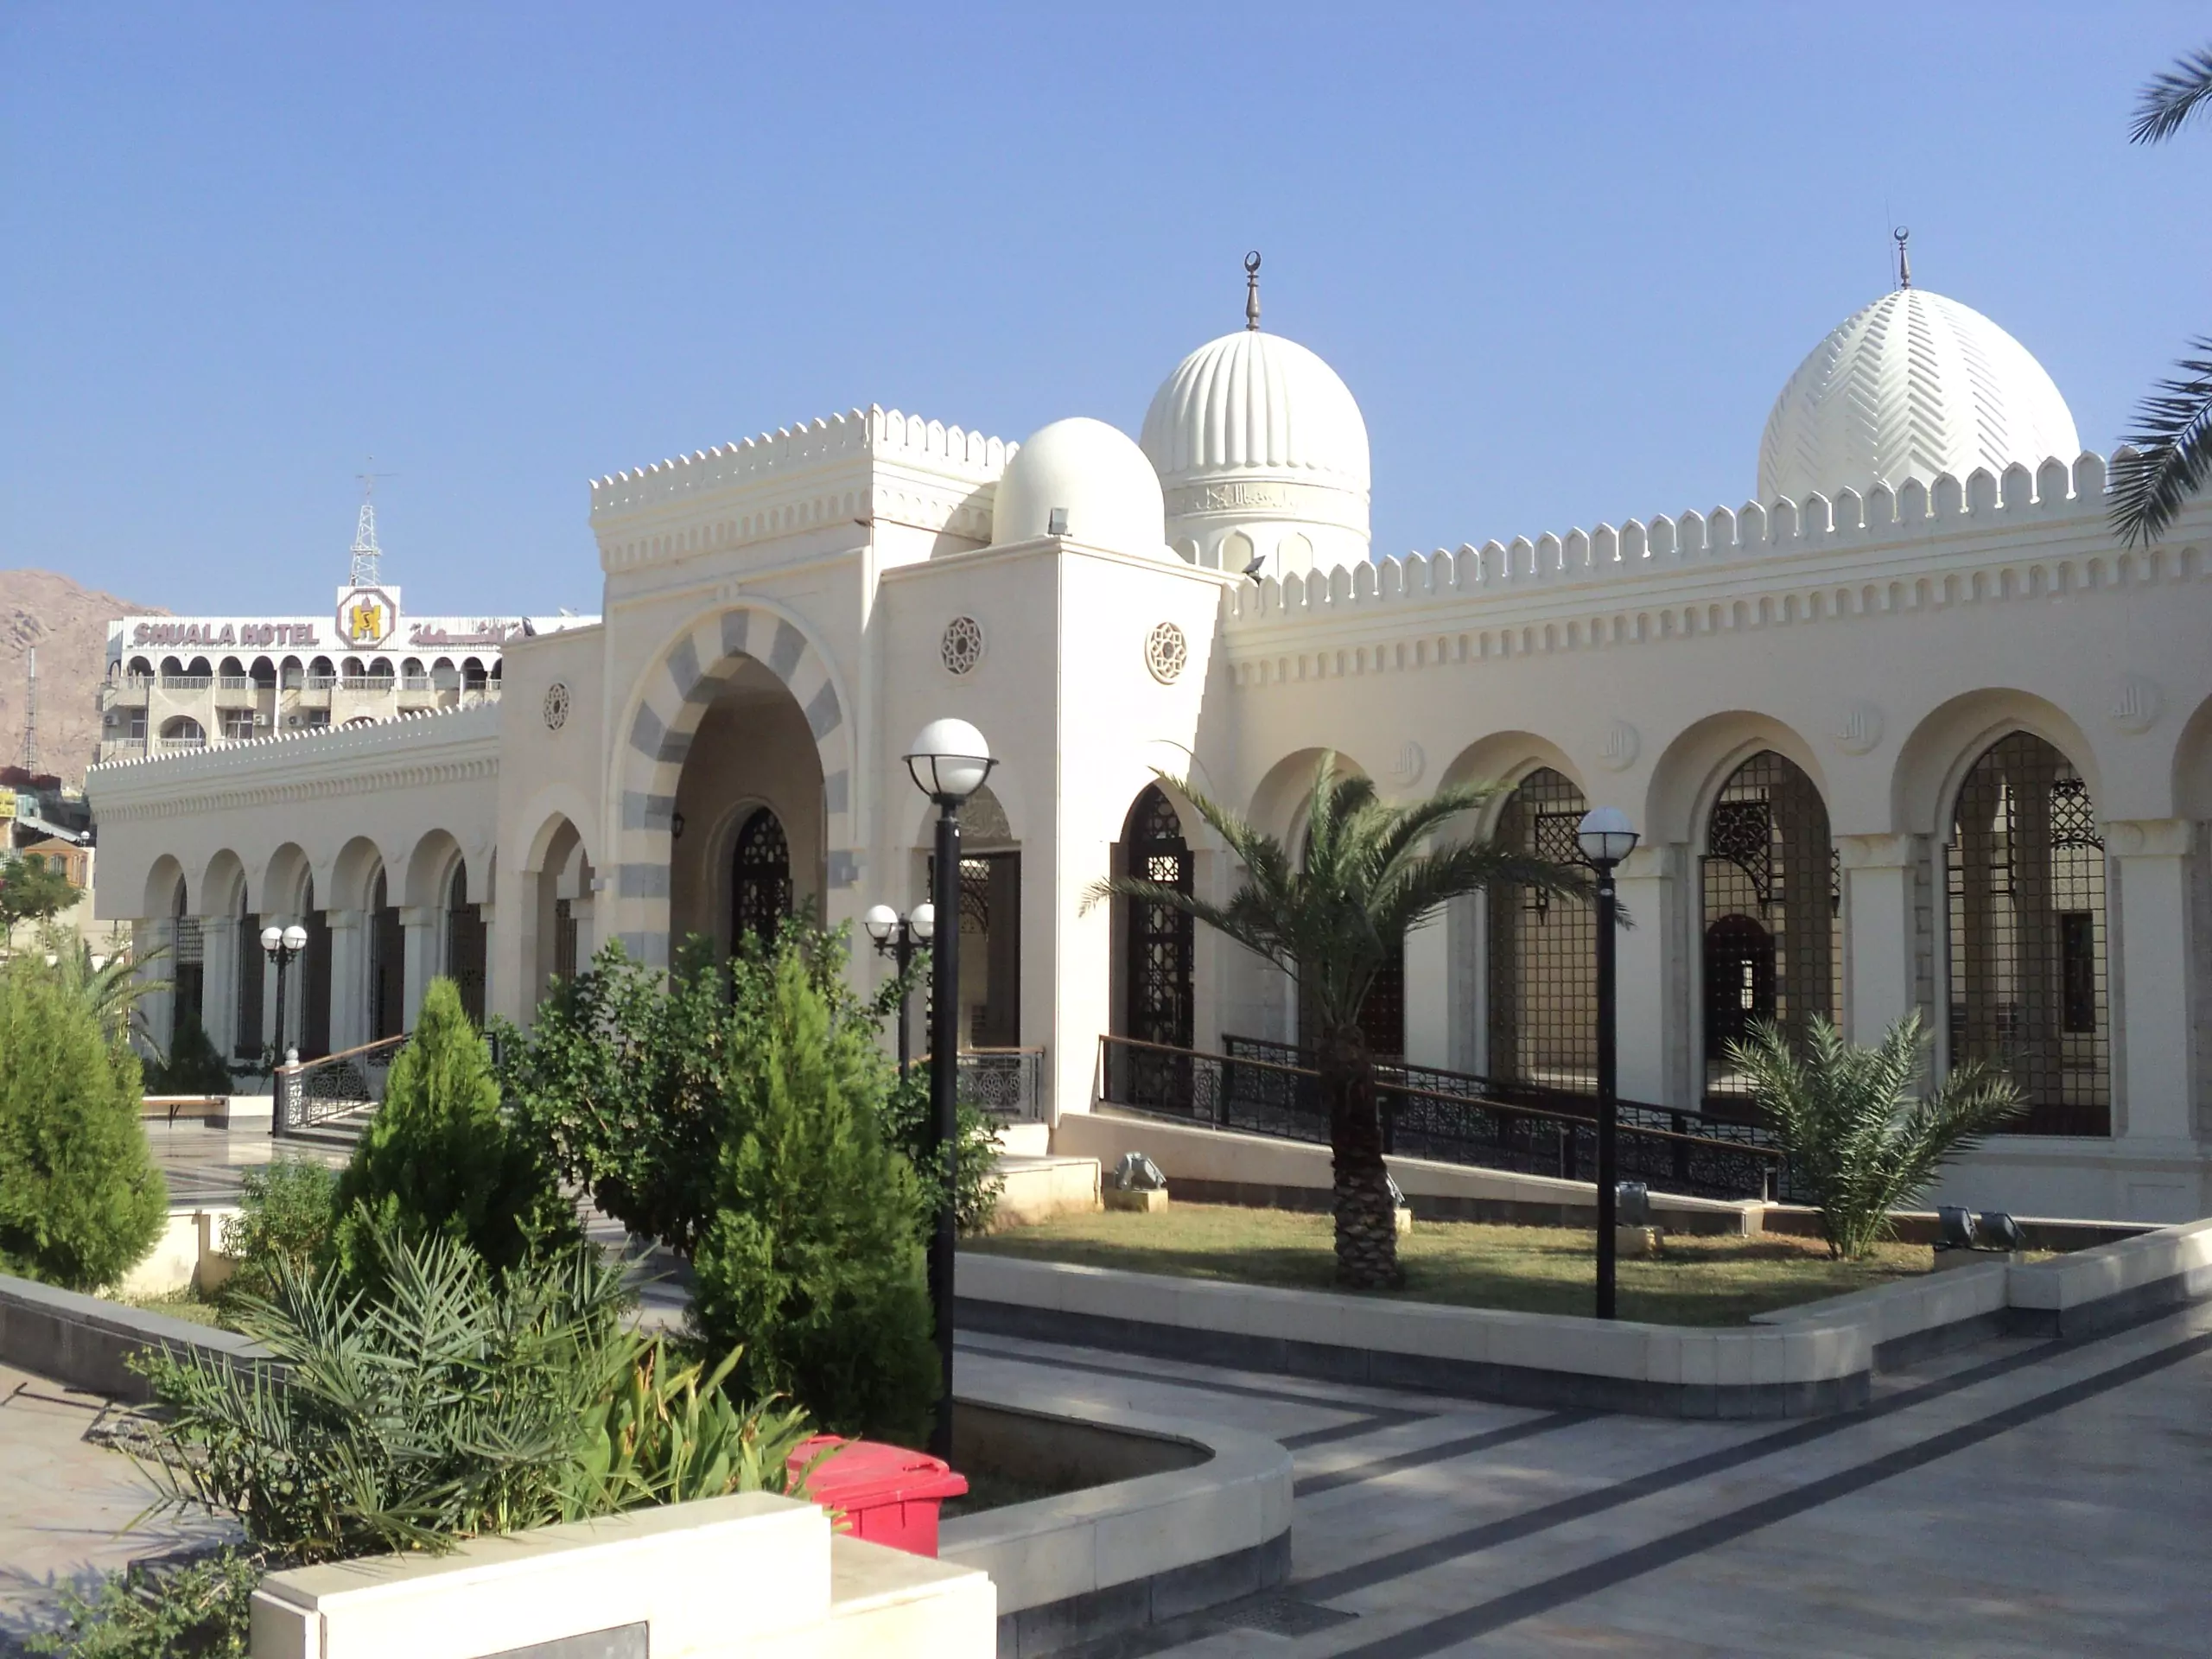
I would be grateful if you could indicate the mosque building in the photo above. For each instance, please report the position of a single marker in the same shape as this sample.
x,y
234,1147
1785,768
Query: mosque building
x,y
1907,730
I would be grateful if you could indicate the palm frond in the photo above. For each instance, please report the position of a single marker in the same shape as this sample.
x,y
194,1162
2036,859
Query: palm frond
x,y
2172,453
2172,99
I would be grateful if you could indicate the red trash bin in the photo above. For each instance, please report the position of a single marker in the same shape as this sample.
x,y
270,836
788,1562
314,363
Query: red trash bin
x,y
888,1495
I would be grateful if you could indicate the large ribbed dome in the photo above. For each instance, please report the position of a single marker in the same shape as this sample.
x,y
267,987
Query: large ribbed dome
x,y
1251,402
1263,456
1912,385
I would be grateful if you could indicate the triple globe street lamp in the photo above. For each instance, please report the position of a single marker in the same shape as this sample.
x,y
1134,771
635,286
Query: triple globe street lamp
x,y
1606,837
947,762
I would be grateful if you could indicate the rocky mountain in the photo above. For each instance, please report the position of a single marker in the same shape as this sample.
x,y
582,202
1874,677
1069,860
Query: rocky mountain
x,y
68,625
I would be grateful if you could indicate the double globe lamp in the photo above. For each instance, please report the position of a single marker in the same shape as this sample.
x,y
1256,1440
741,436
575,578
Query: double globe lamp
x,y
948,761
283,946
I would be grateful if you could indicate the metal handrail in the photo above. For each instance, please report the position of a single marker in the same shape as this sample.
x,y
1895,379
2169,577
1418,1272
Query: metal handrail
x,y
1270,1097
300,1102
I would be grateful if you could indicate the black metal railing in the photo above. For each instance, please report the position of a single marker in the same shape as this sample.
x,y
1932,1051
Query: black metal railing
x,y
1007,1083
1249,1089
338,1085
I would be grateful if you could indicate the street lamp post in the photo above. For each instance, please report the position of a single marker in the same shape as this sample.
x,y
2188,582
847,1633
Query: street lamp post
x,y
282,945
898,937
947,762
1606,838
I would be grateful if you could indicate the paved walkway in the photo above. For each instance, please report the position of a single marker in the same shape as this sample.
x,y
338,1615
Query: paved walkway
x,y
67,1502
2028,1498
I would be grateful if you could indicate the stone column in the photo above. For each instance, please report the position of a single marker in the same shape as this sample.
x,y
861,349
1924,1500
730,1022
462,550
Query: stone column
x,y
419,958
1428,994
219,999
1654,996
159,1007
1883,927
2151,983
349,978
494,967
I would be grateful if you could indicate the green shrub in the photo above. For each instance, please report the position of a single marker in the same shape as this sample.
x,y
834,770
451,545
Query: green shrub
x,y
623,1079
80,1199
812,1257
441,1159
193,1068
458,1402
908,1118
198,1610
1859,1135
286,1208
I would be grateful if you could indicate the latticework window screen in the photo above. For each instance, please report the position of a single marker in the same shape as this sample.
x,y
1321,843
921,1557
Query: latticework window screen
x,y
1159,939
761,892
2024,885
1542,951
1770,898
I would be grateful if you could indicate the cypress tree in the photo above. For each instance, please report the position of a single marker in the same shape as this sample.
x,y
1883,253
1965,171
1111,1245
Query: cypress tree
x,y
80,1200
439,1158
812,1258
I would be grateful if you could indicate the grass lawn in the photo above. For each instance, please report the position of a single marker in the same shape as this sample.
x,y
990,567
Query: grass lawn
x,y
180,1305
1696,1280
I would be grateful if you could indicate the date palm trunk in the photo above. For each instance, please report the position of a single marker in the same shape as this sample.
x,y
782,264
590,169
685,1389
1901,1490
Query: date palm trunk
x,y
1366,1219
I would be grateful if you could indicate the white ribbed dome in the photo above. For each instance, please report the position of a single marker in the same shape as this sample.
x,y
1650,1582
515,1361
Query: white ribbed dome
x,y
1251,402
1093,478
1264,454
1911,386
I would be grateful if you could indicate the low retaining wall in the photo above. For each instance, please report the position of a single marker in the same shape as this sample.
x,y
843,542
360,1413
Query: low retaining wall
x,y
1804,1361
1182,1515
85,1342
1225,1166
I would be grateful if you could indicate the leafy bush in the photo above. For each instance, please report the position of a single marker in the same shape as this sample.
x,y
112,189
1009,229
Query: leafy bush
x,y
286,1210
668,1434
194,1067
737,1114
198,1610
80,1199
1857,1133
459,1402
813,1254
439,1158
908,1119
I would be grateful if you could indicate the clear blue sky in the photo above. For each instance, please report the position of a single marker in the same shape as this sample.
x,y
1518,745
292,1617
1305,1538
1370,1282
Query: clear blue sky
x,y
1565,256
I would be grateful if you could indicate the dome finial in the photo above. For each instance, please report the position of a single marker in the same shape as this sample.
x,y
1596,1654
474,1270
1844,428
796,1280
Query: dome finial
x,y
1252,290
1904,235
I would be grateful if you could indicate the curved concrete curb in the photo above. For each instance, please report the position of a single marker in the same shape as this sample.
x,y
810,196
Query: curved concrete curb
x,y
1135,1553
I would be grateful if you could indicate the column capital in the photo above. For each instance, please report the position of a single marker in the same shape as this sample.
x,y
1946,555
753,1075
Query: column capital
x,y
335,919
2149,837
1879,852
418,915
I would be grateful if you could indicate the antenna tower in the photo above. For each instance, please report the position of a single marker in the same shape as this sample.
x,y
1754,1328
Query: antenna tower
x,y
31,719
368,557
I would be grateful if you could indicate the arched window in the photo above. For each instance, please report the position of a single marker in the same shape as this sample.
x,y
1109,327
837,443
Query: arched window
x,y
465,945
1158,940
381,670
314,981
183,732
141,669
264,674
172,668
232,669
293,674
355,668
201,668
2025,886
1543,1014
760,890
320,673
246,1044
387,964
1772,891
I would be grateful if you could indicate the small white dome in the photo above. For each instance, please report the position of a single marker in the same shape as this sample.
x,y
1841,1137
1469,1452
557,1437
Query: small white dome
x,y
1089,471
1257,403
1912,386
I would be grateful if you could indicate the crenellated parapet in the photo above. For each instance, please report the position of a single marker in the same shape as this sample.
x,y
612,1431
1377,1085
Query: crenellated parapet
x,y
850,466
1984,538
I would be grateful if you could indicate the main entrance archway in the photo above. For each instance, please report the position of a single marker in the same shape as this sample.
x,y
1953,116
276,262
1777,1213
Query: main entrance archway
x,y
744,651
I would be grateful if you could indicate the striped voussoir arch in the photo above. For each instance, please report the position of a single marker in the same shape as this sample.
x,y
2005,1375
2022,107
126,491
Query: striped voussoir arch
x,y
677,690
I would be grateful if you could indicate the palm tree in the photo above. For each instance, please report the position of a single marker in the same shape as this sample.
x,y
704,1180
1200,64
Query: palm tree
x,y
2173,435
1369,873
